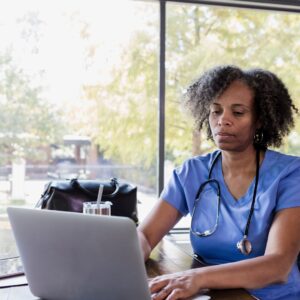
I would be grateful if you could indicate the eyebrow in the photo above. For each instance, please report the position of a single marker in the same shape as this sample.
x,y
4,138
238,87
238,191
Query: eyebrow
x,y
237,105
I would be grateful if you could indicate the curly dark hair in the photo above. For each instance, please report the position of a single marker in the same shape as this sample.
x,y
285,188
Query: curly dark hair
x,y
273,104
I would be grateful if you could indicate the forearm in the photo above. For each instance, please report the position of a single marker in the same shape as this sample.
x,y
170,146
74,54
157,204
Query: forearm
x,y
253,273
145,246
158,222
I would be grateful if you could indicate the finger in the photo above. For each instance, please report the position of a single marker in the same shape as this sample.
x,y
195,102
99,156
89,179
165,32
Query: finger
x,y
177,294
162,294
157,285
158,278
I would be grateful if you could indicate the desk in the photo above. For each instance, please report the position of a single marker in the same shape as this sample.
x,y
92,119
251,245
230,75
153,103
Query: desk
x,y
167,257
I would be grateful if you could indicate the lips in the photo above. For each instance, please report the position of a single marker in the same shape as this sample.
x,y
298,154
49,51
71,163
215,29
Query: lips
x,y
224,134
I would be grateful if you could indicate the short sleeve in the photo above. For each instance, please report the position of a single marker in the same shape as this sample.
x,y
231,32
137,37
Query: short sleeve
x,y
289,188
174,194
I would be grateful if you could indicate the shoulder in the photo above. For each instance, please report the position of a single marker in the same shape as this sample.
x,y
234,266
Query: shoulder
x,y
280,163
281,174
195,164
279,156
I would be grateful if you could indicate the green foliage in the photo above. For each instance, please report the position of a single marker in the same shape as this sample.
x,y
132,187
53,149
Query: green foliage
x,y
198,37
127,106
121,116
201,37
27,122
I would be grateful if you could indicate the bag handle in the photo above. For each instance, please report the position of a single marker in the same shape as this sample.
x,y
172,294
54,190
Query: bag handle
x,y
46,190
113,181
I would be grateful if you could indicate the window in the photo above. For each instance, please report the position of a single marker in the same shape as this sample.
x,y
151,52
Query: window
x,y
77,80
199,37
79,86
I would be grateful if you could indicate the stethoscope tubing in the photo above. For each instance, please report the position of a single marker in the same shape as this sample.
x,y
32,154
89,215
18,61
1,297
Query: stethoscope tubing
x,y
244,245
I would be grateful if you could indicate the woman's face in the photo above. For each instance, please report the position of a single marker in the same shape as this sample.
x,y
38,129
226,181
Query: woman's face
x,y
232,118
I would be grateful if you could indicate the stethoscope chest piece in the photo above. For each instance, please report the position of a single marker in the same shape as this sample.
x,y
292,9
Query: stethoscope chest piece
x,y
244,245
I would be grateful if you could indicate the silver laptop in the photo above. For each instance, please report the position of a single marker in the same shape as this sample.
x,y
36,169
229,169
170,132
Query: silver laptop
x,y
76,256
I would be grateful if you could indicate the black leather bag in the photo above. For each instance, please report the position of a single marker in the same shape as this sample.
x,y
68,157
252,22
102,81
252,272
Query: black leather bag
x,y
69,195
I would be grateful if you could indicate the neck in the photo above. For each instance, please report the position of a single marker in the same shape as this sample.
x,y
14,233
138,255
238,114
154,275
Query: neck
x,y
240,162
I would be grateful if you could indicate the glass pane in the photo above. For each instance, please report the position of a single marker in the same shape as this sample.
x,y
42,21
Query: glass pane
x,y
199,37
78,98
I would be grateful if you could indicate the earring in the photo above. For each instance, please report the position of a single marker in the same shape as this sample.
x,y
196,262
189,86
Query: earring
x,y
258,137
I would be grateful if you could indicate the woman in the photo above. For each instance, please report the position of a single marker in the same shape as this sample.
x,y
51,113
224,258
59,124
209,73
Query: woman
x,y
249,235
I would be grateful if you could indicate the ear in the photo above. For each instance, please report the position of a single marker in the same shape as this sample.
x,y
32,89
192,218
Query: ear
x,y
258,124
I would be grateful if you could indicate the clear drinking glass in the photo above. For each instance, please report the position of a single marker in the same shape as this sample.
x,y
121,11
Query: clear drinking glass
x,y
94,208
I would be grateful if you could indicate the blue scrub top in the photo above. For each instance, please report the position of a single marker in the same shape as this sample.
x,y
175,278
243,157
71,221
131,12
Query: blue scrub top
x,y
278,188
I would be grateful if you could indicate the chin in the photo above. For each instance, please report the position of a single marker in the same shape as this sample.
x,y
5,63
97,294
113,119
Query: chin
x,y
227,148
232,147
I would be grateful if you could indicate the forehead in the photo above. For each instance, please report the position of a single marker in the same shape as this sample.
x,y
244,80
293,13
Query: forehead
x,y
238,93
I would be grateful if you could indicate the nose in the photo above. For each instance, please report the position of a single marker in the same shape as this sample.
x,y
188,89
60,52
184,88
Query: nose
x,y
224,119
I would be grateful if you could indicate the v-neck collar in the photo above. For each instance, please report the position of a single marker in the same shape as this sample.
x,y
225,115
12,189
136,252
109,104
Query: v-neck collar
x,y
247,197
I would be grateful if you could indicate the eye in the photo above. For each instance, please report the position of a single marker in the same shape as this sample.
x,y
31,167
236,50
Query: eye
x,y
215,111
238,113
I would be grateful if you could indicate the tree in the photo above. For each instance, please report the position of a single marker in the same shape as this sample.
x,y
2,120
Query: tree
x,y
27,122
198,37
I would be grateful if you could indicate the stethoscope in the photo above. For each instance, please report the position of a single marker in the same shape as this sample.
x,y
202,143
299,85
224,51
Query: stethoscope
x,y
244,245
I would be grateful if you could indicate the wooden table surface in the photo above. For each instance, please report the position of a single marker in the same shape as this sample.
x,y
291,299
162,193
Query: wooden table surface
x,y
167,257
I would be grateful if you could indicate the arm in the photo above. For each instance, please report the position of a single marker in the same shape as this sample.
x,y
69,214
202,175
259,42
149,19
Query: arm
x,y
159,221
281,252
282,249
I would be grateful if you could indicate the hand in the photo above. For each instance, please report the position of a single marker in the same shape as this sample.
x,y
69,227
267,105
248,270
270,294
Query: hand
x,y
174,286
